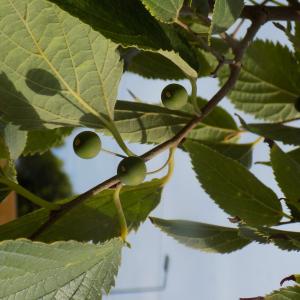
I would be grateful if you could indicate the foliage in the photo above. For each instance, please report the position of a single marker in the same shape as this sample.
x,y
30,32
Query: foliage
x,y
42,175
61,62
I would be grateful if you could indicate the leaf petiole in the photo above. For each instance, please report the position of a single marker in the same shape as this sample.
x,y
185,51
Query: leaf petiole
x,y
194,96
28,195
120,212
116,134
171,164
112,153
163,166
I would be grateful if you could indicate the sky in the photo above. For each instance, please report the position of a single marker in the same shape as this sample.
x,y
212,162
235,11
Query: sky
x,y
254,271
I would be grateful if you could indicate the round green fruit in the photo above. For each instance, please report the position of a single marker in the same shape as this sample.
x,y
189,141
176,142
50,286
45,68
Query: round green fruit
x,y
174,96
87,144
132,170
297,104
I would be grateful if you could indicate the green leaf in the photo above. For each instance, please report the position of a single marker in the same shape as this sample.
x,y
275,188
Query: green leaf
x,y
7,170
252,233
225,13
275,131
293,154
237,191
180,43
289,293
136,27
148,64
13,141
12,144
205,237
285,240
62,270
96,219
56,71
164,11
201,6
179,62
152,124
287,174
240,152
267,90
295,39
40,141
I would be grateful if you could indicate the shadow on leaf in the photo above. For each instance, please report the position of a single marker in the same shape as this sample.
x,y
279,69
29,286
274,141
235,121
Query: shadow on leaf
x,y
42,82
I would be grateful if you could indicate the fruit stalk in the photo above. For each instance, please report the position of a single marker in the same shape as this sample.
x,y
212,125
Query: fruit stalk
x,y
171,165
194,96
116,134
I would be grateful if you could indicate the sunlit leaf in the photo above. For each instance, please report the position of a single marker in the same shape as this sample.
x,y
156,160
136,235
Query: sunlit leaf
x,y
62,270
55,70
225,13
152,124
289,293
40,141
164,11
267,90
95,220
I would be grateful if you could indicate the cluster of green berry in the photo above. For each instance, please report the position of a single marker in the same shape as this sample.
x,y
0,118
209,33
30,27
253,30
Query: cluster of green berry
x,y
131,170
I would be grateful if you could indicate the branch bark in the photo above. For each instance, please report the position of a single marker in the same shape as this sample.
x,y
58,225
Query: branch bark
x,y
273,13
257,21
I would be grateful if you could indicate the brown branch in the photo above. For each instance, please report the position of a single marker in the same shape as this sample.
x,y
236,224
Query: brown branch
x,y
273,13
235,68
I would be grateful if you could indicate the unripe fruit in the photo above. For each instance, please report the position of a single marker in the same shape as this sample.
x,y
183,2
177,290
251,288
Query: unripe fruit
x,y
174,96
297,104
87,144
132,170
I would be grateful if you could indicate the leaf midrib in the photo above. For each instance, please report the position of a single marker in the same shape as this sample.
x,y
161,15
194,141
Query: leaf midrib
x,y
268,83
246,192
75,95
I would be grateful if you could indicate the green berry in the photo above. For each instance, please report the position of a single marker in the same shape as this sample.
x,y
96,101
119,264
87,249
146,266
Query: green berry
x,y
297,104
132,170
87,144
174,96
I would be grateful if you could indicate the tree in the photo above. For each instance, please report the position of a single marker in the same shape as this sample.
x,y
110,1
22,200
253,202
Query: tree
x,y
42,175
61,63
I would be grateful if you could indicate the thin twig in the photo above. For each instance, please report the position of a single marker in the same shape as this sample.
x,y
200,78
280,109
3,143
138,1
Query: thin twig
x,y
235,68
120,212
237,29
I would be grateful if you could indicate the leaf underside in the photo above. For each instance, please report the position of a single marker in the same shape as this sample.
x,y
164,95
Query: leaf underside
x,y
55,70
62,270
237,191
95,220
267,90
201,236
